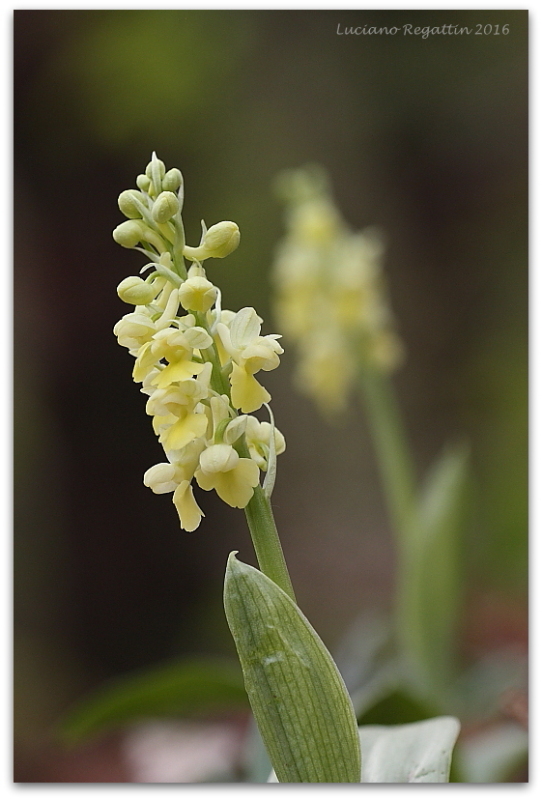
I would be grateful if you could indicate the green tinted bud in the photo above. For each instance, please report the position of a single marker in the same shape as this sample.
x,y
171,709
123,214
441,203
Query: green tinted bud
x,y
127,205
128,233
136,291
197,294
165,207
172,180
221,239
161,168
143,183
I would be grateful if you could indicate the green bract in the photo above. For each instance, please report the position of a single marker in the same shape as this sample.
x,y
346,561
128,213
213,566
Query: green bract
x,y
298,697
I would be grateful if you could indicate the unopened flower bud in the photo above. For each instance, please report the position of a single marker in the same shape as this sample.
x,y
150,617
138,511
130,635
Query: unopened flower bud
x,y
218,242
221,239
136,291
127,205
143,183
197,294
165,207
161,168
172,180
133,231
128,233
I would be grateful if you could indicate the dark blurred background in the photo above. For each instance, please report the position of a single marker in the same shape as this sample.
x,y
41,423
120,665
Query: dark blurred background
x,y
426,138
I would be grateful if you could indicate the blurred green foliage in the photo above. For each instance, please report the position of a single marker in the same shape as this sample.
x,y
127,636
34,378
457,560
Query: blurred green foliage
x,y
131,75
180,689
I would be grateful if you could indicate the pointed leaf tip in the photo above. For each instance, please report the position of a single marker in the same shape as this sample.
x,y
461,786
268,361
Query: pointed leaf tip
x,y
232,562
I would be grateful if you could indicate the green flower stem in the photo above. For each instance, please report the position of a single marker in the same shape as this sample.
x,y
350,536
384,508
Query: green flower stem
x,y
392,452
397,475
265,539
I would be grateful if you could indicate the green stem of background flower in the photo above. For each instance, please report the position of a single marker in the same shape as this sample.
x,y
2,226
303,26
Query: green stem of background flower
x,y
398,479
392,451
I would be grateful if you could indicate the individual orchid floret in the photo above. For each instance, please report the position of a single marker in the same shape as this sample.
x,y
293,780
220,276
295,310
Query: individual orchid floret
x,y
130,203
177,396
188,426
161,478
233,478
165,207
178,408
175,346
186,459
133,232
136,291
217,242
197,294
172,180
135,329
164,478
249,353
227,427
258,437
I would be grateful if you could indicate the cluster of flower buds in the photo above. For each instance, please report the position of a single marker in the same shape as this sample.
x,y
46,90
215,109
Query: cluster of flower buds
x,y
196,361
330,295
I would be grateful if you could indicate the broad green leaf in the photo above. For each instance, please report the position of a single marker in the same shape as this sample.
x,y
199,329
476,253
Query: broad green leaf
x,y
493,755
420,752
297,695
178,688
431,584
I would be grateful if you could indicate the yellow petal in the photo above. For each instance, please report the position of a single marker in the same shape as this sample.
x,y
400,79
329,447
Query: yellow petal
x,y
159,421
205,481
190,513
184,431
223,355
145,361
246,393
236,487
178,371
